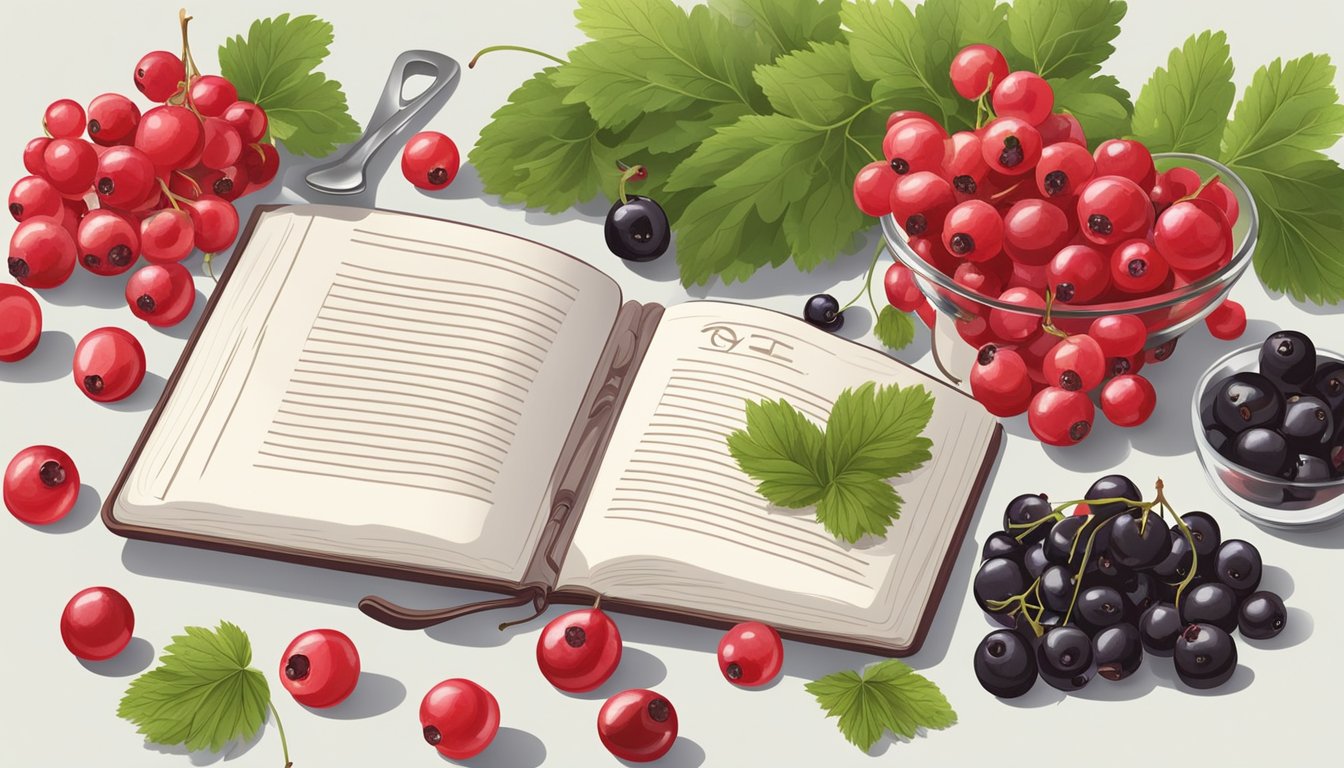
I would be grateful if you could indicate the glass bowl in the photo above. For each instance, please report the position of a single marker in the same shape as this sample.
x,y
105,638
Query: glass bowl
x,y
961,310
1266,499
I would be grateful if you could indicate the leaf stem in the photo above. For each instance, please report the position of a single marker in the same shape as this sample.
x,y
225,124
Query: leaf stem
x,y
868,280
626,175
521,48
280,727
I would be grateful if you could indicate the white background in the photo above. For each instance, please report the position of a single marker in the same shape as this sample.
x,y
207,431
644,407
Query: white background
x,y
56,711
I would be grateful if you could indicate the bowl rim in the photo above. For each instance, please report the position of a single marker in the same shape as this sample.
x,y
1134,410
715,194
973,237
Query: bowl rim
x,y
1204,447
896,240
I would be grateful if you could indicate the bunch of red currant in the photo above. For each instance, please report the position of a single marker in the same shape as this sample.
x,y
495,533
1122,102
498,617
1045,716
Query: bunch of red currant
x,y
1019,211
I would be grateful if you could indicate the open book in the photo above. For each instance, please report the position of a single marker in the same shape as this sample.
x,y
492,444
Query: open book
x,y
423,399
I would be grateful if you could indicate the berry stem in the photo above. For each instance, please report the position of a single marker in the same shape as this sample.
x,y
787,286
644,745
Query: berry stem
x,y
209,268
1048,325
523,49
1082,566
626,175
868,280
1161,499
194,184
172,198
279,726
187,59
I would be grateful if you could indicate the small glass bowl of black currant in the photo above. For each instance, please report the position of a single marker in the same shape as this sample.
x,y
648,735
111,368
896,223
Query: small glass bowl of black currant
x,y
1269,430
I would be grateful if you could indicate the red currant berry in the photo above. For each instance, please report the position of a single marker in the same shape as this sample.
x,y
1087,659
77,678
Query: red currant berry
x,y
214,223
193,184
1000,382
1127,158
974,330
979,278
920,202
1112,209
320,668
1192,235
902,291
1222,196
1076,363
903,114
97,623
108,242
171,136
1172,185
125,177
913,145
109,365
41,253
976,69
161,294
931,251
248,119
1018,326
1078,274
964,163
1138,267
1161,352
1059,128
430,160
1119,335
70,165
1227,321
112,119
167,236
1024,95
1128,400
637,725
221,144
872,188
230,183
1028,275
751,654
579,650
973,230
34,196
1010,146
459,718
1063,170
1060,417
1119,366
159,74
32,156
262,161
211,95
20,323
1034,231
41,485
927,314
64,119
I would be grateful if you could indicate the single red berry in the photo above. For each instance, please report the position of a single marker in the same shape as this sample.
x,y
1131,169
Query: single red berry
x,y
214,223
637,725
1078,274
459,718
964,164
1011,146
108,242
262,161
1227,321
64,119
1000,382
161,294
1127,158
171,136
976,69
221,144
248,119
97,623
33,153
1119,335
872,188
973,230
33,196
212,94
1024,95
1062,127
167,236
1172,185
112,119
1192,235
1138,268
1034,230
920,201
1076,363
70,165
109,365
41,253
1112,209
159,74
125,177
1221,195
914,145
1060,417
41,485
1018,326
430,160
1064,169
578,651
20,323
1128,400
320,668
751,654
902,291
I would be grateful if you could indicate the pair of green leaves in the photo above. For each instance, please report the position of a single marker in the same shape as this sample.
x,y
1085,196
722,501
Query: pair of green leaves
x,y
872,434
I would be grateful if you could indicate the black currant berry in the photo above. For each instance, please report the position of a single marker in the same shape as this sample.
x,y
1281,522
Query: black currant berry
x,y
1205,656
997,580
1205,532
1118,651
1140,593
637,230
1308,424
1139,543
1309,469
1057,588
1238,565
1100,607
1065,542
1176,565
1158,628
1210,603
1034,560
1288,358
1065,658
1263,450
1328,384
824,312
1026,511
1112,487
1000,544
1262,616
1005,664
1245,400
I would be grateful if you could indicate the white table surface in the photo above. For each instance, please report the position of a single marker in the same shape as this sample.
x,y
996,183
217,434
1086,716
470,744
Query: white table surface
x,y
56,711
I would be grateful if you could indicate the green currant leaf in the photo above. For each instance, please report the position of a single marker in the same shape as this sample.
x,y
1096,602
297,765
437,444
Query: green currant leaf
x,y
1063,38
1098,102
894,328
887,696
784,25
1184,107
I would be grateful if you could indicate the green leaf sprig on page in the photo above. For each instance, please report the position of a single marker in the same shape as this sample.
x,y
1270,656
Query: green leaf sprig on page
x,y
873,434
204,693
887,696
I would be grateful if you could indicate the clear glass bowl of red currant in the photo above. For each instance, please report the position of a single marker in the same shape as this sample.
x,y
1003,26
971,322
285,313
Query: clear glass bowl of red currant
x,y
1061,261
1269,431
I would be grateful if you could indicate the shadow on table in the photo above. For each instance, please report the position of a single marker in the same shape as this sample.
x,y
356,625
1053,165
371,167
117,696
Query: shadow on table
x,y
231,751
133,659
1320,538
512,748
374,695
51,360
85,510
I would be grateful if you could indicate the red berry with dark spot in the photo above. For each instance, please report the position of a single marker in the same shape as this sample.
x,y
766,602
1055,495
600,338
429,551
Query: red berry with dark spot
x,y
430,160
109,365
41,485
320,668
158,75
751,654
637,725
579,650
459,718
161,294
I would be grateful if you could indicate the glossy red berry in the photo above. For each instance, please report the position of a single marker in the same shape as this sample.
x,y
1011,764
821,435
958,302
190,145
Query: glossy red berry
x,y
1119,335
1137,267
1000,382
1060,417
1034,230
964,164
872,188
221,144
108,242
902,291
913,145
20,323
70,165
1227,321
64,119
1024,95
1221,195
1076,363
109,365
41,485
430,160
1172,185
33,196
158,75
97,623
1112,209
973,230
262,161
1192,235
1064,169
1078,274
41,253
1127,158
214,223
211,95
161,294
1128,400
248,119
112,119
125,177
920,201
579,651
320,668
459,718
1011,146
637,725
171,136
1062,127
979,278
33,153
751,654
976,69
167,236
903,114
1018,326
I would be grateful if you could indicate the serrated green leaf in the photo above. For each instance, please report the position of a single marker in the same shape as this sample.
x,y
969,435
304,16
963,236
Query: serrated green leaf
x,y
1100,104
888,48
1184,107
1063,38
818,85
877,430
781,449
312,117
784,25
888,696
203,694
682,59
894,328
1286,106
858,504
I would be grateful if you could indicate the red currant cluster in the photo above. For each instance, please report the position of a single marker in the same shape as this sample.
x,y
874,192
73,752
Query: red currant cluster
x,y
1019,211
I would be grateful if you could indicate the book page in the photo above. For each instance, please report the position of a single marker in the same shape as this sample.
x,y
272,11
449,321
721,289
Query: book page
x,y
380,386
672,520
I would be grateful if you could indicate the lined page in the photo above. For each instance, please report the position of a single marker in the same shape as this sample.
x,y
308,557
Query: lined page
x,y
393,387
673,521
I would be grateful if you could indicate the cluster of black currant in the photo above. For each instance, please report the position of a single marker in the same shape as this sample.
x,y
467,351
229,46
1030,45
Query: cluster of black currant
x,y
1087,593
1288,419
